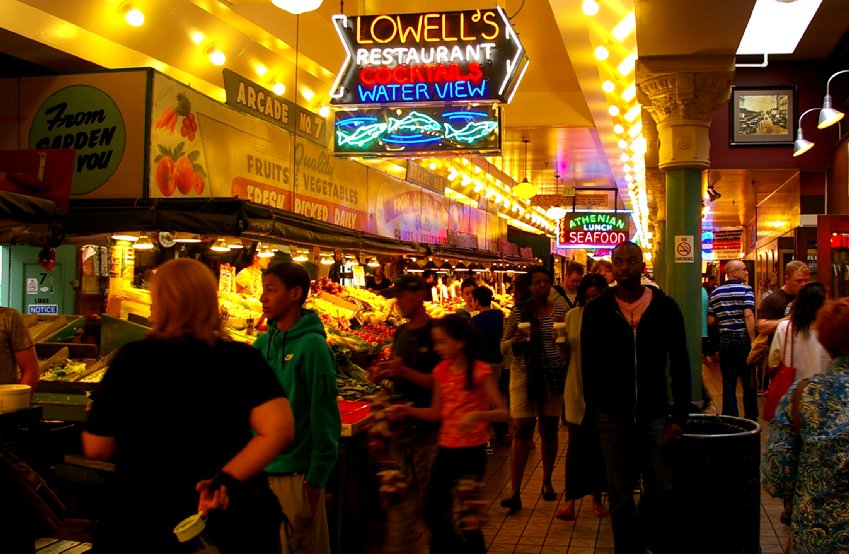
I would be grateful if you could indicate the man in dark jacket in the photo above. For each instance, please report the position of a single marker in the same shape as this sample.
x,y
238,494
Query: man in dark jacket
x,y
629,336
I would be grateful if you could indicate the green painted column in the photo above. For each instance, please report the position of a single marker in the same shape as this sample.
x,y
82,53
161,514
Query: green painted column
x,y
682,94
683,275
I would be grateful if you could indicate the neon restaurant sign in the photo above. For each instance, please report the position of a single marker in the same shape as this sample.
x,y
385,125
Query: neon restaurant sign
x,y
593,229
407,131
428,58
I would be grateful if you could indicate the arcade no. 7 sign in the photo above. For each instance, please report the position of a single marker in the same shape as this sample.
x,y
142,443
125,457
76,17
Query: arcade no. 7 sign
x,y
428,58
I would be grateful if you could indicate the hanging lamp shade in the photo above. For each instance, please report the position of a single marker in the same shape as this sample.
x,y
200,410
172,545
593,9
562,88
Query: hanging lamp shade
x,y
220,246
460,267
431,265
297,7
373,263
525,189
144,243
445,267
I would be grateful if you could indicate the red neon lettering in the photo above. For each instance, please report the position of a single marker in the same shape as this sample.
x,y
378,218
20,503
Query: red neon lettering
x,y
401,74
425,73
367,76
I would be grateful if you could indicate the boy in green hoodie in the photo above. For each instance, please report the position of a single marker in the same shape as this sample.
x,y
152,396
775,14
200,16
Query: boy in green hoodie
x,y
296,348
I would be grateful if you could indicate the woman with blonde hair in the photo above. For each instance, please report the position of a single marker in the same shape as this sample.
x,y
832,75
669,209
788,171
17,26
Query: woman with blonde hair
x,y
217,411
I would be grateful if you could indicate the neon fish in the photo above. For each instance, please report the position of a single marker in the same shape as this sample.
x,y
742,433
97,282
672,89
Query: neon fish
x,y
472,132
414,121
364,135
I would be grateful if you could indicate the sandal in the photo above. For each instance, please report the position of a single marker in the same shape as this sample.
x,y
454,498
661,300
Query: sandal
x,y
566,514
600,511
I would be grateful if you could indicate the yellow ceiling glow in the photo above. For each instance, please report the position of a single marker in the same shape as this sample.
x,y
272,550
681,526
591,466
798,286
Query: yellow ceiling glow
x,y
629,93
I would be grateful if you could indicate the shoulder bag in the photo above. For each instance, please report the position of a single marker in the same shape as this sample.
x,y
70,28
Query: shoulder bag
x,y
759,350
782,378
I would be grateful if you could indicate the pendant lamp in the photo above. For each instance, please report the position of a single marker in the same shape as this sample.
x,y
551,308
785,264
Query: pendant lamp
x,y
297,7
525,189
556,212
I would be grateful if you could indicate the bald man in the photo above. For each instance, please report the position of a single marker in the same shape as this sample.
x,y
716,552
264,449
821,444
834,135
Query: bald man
x,y
732,305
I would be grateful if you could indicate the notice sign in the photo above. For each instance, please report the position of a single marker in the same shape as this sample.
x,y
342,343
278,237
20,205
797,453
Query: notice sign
x,y
684,249
437,57
43,309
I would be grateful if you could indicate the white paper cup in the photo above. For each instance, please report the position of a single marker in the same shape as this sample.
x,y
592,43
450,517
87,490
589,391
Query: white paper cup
x,y
559,331
525,328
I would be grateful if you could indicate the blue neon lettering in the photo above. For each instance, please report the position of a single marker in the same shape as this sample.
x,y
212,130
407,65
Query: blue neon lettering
x,y
407,93
421,92
479,90
461,89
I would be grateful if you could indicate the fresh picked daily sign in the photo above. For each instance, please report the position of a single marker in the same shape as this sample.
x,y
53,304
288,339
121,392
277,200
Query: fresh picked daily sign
x,y
428,58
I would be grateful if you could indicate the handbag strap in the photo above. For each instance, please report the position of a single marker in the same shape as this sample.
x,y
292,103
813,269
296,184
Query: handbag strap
x,y
789,331
795,413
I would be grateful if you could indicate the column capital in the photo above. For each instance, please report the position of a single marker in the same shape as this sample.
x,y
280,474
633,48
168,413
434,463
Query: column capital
x,y
682,95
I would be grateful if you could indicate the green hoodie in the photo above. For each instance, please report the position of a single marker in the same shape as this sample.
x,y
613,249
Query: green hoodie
x,y
305,366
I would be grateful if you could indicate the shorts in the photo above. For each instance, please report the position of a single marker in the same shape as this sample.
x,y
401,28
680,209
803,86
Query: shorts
x,y
520,407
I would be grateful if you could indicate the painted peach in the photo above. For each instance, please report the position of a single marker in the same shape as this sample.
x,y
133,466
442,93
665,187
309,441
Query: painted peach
x,y
199,184
165,176
184,175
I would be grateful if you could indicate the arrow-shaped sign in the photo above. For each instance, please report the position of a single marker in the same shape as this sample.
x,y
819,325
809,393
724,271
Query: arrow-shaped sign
x,y
428,58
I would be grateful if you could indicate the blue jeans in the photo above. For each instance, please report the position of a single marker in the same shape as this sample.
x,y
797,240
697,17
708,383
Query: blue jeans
x,y
733,351
634,451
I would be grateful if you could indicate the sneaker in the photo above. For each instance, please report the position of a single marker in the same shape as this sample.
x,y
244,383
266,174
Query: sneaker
x,y
490,448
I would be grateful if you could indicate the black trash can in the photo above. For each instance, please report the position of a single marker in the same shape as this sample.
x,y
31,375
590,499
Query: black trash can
x,y
716,481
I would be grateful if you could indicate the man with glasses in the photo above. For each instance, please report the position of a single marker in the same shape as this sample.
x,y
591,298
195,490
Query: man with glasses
x,y
732,306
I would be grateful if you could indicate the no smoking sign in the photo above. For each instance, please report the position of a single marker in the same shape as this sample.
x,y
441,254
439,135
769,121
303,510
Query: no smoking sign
x,y
684,249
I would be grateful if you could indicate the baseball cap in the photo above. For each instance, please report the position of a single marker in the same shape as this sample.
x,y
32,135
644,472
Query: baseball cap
x,y
403,283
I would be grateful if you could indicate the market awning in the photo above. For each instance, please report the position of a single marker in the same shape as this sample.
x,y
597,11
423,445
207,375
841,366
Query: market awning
x,y
28,220
222,216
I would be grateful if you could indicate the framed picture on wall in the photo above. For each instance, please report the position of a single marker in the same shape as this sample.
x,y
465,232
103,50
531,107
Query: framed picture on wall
x,y
763,115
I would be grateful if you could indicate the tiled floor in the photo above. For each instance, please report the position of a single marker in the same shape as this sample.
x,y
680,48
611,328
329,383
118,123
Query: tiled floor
x,y
534,529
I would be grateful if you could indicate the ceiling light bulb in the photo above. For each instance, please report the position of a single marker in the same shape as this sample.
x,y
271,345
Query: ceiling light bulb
x,y
278,89
625,27
197,37
601,53
613,110
590,7
324,111
608,86
627,65
618,129
133,16
260,69
216,56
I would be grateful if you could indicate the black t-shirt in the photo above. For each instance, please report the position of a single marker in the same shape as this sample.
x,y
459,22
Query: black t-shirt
x,y
415,348
491,325
178,411
384,283
775,306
